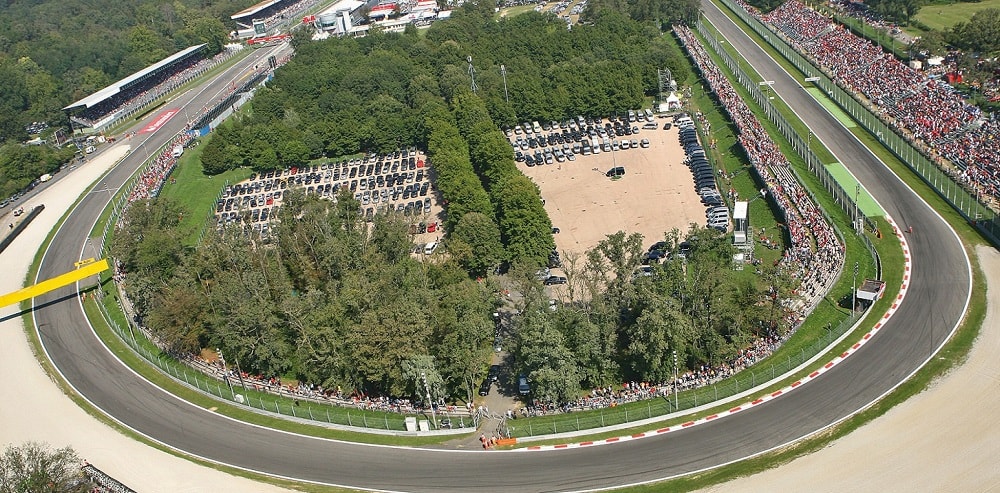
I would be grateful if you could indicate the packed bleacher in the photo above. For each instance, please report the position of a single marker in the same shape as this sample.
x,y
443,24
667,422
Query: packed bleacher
x,y
926,110
815,254
151,179
150,89
278,13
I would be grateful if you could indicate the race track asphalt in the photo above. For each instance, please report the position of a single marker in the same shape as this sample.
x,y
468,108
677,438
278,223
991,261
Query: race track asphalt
x,y
935,302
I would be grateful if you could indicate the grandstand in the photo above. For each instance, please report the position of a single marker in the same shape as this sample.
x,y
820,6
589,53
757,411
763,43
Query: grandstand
x,y
268,17
342,17
262,10
130,94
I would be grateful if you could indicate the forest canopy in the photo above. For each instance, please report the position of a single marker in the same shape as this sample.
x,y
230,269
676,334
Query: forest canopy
x,y
341,303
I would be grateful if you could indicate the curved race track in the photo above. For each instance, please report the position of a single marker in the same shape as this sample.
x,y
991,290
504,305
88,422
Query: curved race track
x,y
935,302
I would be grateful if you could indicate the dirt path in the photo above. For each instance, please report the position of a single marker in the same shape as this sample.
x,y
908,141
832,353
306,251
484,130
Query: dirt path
x,y
944,439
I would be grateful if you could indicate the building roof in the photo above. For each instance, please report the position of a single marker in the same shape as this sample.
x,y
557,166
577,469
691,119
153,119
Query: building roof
x,y
342,5
254,9
740,210
115,88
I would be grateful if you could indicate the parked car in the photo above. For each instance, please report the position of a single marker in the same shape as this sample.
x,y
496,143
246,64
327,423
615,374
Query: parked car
x,y
553,280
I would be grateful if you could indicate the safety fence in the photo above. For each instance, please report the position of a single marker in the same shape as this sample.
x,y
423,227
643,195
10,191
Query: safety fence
x,y
847,199
981,216
666,401
261,398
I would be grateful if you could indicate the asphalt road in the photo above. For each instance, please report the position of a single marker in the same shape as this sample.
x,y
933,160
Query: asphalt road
x,y
937,295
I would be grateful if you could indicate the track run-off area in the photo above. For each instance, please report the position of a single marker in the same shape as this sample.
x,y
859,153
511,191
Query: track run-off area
x,y
937,293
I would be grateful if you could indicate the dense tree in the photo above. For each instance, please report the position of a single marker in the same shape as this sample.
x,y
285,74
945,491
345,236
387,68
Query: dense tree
x,y
980,34
525,227
148,248
542,355
475,243
463,335
21,164
32,467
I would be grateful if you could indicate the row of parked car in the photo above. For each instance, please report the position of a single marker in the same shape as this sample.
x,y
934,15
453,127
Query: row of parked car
x,y
397,182
717,213
564,141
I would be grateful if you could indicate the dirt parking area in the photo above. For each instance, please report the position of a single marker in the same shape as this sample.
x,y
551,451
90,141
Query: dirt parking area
x,y
655,195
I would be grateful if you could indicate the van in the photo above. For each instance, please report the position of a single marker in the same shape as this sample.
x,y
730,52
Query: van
x,y
430,247
177,151
615,172
522,385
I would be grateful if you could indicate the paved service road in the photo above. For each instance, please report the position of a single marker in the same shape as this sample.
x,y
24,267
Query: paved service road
x,y
935,301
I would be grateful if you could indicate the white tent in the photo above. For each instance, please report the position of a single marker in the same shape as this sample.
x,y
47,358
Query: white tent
x,y
673,102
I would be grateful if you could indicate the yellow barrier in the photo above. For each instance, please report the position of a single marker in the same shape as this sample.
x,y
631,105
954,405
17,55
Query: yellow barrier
x,y
57,282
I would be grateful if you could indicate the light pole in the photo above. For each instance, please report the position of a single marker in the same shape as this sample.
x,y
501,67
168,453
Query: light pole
x,y
225,372
854,292
503,72
676,407
472,75
427,389
766,84
857,193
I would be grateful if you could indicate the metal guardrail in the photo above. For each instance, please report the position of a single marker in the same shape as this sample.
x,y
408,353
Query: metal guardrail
x,y
802,147
979,215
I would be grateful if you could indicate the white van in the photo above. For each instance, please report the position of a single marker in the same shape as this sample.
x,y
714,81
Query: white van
x,y
430,247
177,151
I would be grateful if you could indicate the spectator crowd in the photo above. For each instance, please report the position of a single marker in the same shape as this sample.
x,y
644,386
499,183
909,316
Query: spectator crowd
x,y
925,110
815,254
151,180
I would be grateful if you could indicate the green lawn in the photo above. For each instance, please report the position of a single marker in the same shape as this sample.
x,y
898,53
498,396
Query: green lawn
x,y
513,11
196,192
849,182
943,17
